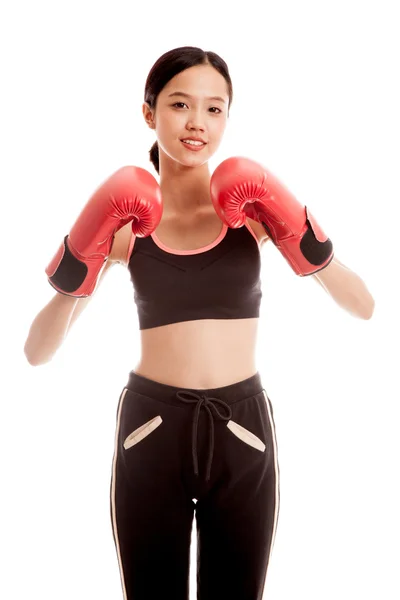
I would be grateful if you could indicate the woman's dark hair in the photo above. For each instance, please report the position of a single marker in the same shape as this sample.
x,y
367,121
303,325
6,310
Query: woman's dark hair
x,y
170,64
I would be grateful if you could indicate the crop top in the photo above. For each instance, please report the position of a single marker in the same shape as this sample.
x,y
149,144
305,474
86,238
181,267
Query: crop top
x,y
218,281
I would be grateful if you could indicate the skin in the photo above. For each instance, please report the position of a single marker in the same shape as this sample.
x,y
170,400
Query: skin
x,y
204,353
207,353
185,175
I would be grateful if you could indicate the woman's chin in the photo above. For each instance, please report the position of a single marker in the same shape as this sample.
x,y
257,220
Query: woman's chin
x,y
188,158
194,159
192,162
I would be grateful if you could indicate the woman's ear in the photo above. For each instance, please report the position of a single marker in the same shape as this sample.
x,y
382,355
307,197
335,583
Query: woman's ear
x,y
148,115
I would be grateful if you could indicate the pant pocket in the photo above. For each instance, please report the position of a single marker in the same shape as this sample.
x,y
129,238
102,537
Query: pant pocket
x,y
246,436
138,434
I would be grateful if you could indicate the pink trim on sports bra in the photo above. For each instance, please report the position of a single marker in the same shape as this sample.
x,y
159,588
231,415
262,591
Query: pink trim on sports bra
x,y
220,237
159,243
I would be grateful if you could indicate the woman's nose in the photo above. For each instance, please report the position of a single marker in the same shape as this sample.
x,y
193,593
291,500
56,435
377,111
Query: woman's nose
x,y
196,121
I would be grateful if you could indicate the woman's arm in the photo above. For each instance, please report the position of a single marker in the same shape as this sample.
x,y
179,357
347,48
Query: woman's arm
x,y
347,289
51,325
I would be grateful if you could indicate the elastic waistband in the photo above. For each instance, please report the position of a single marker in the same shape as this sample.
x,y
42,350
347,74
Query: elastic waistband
x,y
167,393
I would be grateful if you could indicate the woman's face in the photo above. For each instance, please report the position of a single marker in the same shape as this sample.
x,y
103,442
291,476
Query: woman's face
x,y
194,103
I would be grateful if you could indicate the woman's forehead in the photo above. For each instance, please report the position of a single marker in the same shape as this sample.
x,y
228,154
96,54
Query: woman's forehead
x,y
202,81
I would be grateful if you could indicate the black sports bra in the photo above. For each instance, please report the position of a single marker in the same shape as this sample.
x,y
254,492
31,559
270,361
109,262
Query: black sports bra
x,y
218,281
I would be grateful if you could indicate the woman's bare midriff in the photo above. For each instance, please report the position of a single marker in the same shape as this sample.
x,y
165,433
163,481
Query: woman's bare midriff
x,y
206,353
199,354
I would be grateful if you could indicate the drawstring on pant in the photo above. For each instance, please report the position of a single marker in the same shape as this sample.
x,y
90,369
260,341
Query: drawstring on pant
x,y
202,400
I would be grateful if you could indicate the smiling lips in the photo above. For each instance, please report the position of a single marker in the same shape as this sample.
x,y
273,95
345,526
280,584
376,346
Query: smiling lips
x,y
193,143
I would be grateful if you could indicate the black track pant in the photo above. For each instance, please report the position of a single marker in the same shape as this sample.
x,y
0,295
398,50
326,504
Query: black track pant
x,y
174,446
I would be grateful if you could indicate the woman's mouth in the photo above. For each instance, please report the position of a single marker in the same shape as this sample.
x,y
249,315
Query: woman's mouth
x,y
193,145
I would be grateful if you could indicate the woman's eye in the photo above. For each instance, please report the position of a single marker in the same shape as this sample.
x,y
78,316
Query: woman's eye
x,y
183,104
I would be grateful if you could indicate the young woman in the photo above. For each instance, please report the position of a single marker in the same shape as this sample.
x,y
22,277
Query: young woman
x,y
195,431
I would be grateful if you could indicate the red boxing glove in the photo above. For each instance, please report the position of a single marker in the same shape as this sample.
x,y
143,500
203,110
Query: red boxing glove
x,y
130,194
242,188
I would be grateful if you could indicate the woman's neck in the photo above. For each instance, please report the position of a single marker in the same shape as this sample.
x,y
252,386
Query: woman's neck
x,y
187,191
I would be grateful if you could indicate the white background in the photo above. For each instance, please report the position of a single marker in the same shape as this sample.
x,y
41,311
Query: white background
x,y
316,100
